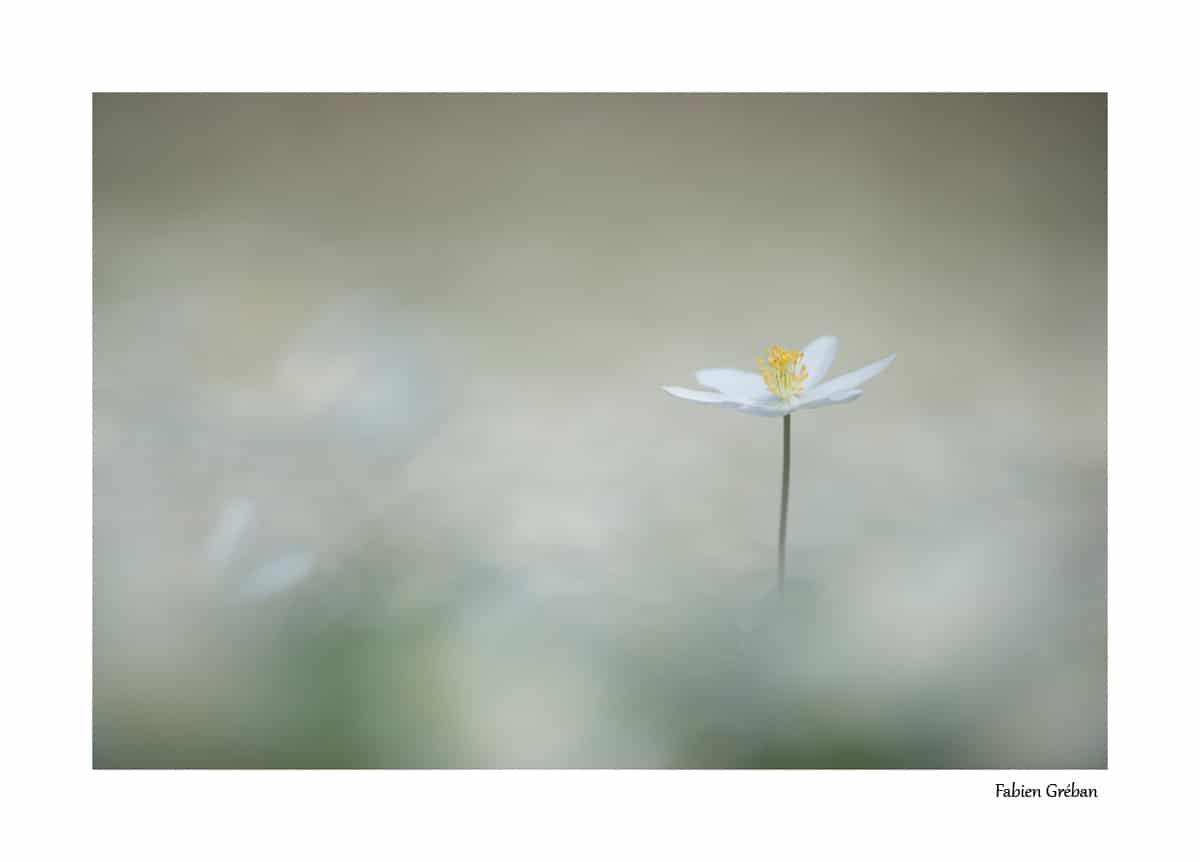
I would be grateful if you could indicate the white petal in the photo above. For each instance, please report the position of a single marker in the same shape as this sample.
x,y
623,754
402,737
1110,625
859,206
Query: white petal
x,y
852,380
773,408
741,385
715,398
818,357
843,397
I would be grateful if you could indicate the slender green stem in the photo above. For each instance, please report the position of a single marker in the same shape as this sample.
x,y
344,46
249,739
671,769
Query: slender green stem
x,y
783,502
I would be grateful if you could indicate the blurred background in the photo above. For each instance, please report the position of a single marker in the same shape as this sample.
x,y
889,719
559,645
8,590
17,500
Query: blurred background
x,y
383,475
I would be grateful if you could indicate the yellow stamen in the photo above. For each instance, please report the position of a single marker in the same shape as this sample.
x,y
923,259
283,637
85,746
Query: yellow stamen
x,y
783,371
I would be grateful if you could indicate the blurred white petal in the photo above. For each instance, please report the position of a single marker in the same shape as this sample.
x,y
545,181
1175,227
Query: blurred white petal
x,y
279,575
236,519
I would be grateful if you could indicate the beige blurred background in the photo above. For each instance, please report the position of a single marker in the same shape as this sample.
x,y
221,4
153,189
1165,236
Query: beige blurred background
x,y
384,476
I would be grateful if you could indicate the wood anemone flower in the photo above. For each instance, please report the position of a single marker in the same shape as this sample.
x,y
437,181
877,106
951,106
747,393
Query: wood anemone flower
x,y
787,381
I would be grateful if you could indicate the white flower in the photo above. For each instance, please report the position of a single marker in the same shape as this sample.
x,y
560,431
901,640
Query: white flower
x,y
787,381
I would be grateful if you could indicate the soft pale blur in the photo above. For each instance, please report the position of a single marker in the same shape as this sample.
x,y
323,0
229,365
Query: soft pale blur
x,y
384,476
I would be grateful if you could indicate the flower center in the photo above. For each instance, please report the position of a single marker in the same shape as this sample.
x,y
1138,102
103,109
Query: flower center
x,y
783,371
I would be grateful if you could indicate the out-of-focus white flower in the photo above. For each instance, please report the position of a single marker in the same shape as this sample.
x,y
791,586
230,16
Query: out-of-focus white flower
x,y
787,381
279,574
